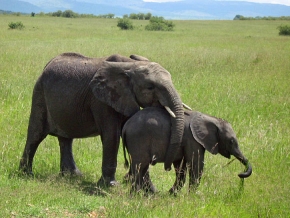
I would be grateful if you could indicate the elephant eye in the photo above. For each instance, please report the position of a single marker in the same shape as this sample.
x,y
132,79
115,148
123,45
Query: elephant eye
x,y
150,87
232,141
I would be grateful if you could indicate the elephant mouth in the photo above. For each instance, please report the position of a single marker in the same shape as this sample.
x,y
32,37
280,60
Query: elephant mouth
x,y
157,104
171,112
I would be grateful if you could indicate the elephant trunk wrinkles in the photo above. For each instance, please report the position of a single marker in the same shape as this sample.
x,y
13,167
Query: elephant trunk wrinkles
x,y
177,126
246,163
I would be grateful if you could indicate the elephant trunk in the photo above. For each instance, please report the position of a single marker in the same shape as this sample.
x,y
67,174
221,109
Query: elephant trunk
x,y
245,162
177,124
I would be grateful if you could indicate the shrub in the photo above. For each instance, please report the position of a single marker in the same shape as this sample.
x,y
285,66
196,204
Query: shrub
x,y
125,24
16,25
284,30
57,13
159,24
69,14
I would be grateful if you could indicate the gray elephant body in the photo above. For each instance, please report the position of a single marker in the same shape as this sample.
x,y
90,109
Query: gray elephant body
x,y
146,136
77,97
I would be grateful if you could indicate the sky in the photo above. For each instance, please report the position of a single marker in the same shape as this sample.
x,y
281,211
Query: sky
x,y
180,12
282,2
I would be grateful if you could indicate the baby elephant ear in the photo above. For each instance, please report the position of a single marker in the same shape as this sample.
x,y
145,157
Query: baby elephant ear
x,y
205,131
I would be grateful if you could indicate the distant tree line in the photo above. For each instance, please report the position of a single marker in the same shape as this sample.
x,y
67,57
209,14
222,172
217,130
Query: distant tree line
x,y
5,12
139,16
59,13
11,12
240,17
72,14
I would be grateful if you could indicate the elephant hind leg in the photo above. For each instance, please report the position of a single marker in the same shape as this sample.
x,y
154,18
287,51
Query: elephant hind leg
x,y
141,179
136,170
67,163
148,186
37,131
180,171
28,154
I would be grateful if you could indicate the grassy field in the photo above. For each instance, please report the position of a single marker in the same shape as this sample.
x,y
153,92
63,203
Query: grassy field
x,y
236,70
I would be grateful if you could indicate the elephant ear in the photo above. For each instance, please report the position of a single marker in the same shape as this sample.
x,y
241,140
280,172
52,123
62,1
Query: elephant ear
x,y
111,85
205,131
138,57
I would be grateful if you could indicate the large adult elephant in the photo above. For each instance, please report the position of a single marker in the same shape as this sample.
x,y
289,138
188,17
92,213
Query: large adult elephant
x,y
78,96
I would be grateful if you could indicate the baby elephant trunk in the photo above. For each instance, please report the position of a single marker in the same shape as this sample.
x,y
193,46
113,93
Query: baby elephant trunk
x,y
246,163
248,170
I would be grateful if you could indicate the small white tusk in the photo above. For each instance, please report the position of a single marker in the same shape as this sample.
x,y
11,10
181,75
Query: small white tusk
x,y
170,111
186,106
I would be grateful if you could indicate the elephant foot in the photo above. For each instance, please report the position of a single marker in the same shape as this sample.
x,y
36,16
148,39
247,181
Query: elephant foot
x,y
24,168
152,190
24,172
107,182
126,177
149,188
69,167
174,190
72,172
193,187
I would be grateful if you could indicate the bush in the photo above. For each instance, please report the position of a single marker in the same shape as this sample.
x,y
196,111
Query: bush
x,y
125,24
284,30
57,13
16,25
66,13
159,24
69,14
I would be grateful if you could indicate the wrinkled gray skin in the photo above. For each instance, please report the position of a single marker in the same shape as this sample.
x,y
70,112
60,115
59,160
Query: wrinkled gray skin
x,y
78,96
146,136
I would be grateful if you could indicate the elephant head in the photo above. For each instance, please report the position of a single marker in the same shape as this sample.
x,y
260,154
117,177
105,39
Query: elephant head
x,y
217,136
126,86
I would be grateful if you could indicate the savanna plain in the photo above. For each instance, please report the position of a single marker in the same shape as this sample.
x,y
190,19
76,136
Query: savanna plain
x,y
235,70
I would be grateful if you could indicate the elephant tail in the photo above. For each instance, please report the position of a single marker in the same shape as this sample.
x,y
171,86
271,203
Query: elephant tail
x,y
126,164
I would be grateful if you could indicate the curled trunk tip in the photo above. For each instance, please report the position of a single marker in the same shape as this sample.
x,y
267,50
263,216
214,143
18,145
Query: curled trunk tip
x,y
248,170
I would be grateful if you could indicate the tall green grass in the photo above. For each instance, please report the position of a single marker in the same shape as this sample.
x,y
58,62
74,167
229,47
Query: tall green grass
x,y
236,70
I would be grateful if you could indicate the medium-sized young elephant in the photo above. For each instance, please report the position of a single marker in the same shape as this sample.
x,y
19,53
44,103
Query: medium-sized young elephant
x,y
146,135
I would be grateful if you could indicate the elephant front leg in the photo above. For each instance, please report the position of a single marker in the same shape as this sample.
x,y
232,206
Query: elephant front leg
x,y
67,163
180,171
109,162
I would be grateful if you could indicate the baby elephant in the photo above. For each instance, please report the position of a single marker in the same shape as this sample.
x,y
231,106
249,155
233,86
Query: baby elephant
x,y
146,136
